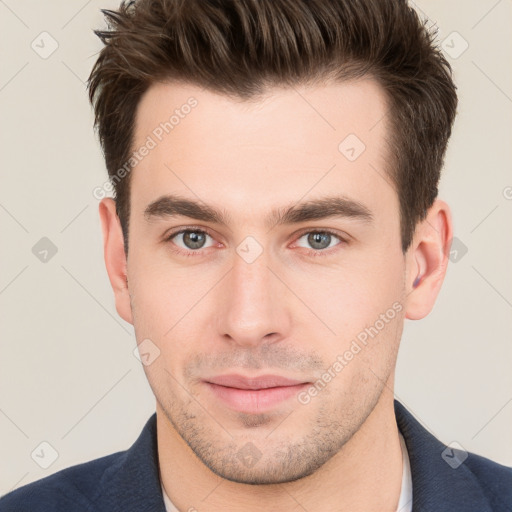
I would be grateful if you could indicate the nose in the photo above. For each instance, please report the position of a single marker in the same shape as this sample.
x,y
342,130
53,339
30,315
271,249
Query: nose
x,y
254,308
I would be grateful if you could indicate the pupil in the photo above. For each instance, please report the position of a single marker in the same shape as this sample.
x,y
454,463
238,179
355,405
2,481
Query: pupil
x,y
194,240
319,240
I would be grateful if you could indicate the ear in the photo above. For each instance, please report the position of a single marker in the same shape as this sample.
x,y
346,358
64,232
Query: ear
x,y
427,260
115,257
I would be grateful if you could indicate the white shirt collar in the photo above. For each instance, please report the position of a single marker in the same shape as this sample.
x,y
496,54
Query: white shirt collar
x,y
405,501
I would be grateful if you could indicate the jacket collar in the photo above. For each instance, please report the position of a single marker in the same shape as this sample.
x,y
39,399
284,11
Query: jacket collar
x,y
133,482
436,486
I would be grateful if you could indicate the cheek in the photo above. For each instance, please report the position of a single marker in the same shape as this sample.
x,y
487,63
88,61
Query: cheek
x,y
358,310
166,302
352,294
161,294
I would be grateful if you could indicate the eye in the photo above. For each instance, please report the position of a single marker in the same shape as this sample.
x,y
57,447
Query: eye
x,y
191,239
319,240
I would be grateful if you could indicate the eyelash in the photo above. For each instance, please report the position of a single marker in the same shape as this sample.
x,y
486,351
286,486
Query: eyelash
x,y
312,252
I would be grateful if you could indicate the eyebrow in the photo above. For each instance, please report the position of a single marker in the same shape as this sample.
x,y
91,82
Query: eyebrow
x,y
316,209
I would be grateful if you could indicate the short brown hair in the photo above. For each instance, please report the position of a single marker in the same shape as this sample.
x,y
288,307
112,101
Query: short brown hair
x,y
240,47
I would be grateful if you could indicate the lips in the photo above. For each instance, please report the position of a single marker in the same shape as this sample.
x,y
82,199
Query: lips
x,y
262,382
253,395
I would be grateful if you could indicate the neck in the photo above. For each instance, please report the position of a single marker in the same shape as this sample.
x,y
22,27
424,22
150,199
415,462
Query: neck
x,y
365,475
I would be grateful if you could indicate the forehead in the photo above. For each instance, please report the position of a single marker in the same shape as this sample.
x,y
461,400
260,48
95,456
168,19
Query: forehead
x,y
290,142
353,107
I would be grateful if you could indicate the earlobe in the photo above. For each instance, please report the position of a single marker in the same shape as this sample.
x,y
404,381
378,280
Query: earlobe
x,y
428,260
115,257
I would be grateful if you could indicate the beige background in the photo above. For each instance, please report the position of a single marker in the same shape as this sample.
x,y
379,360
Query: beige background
x,y
68,374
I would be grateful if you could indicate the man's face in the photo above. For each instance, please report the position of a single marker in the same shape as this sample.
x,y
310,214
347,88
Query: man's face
x,y
255,296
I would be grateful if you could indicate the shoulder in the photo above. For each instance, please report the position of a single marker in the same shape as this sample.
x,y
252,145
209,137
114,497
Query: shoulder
x,y
73,488
120,482
446,478
494,479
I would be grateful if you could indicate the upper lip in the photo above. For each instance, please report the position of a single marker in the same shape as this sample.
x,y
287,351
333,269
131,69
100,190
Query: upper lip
x,y
261,382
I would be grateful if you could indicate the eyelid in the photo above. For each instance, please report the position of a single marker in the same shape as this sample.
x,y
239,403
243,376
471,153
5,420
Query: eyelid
x,y
342,236
183,229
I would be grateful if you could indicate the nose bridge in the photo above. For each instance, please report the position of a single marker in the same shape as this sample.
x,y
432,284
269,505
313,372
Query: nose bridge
x,y
252,301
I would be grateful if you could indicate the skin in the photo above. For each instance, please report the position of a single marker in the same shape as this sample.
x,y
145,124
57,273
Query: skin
x,y
289,312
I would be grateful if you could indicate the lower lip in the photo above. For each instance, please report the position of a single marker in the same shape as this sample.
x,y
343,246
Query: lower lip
x,y
254,401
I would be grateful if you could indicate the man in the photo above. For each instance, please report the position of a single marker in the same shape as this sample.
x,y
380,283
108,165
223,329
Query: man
x,y
275,221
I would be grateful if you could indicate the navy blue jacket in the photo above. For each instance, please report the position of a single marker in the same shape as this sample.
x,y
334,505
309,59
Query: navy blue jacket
x,y
128,481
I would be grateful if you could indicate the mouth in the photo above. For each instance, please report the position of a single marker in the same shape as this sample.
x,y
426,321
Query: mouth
x,y
253,395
